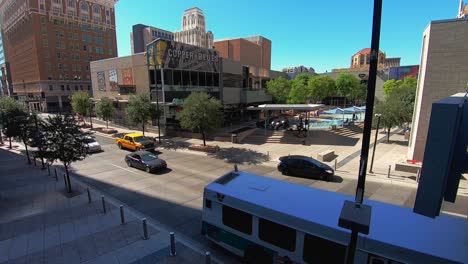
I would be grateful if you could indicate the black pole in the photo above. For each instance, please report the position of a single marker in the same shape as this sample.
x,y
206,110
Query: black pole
x,y
157,103
40,144
374,56
375,142
370,99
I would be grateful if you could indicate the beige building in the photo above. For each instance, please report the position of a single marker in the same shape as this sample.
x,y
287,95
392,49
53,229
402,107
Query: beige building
x,y
443,72
49,44
194,29
360,61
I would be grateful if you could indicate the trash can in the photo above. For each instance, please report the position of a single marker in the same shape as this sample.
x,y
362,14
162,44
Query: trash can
x,y
234,138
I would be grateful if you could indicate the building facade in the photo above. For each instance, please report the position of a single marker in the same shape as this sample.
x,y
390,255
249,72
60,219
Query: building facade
x,y
360,61
174,71
142,35
463,10
194,29
443,71
293,71
49,44
5,76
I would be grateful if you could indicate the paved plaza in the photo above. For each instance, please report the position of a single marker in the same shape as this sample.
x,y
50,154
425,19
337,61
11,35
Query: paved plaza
x,y
172,200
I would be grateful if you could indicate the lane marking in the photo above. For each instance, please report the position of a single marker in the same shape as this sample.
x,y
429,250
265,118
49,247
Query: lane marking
x,y
125,169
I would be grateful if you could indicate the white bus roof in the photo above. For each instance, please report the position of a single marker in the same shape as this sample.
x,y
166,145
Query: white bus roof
x,y
444,236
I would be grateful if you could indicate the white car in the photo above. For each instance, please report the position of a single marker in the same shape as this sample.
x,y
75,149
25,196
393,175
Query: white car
x,y
92,145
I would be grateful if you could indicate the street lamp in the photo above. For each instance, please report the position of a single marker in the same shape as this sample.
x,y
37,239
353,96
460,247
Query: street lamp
x,y
39,140
375,141
150,61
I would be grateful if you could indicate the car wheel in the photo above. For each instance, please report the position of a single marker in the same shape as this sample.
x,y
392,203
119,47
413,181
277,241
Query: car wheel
x,y
137,149
148,169
120,146
129,164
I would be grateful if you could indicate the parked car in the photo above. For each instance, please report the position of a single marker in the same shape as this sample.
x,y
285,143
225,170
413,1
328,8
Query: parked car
x,y
145,160
92,145
303,166
134,141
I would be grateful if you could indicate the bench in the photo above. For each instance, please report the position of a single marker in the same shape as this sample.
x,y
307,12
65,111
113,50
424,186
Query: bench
x,y
327,155
407,167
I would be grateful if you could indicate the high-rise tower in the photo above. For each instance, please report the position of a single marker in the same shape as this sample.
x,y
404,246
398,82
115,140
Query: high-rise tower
x,y
194,29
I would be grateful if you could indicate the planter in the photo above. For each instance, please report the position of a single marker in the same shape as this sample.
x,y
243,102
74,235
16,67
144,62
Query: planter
x,y
207,148
109,131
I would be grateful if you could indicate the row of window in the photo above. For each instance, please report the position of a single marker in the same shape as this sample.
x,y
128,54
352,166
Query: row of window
x,y
67,87
186,78
316,249
71,77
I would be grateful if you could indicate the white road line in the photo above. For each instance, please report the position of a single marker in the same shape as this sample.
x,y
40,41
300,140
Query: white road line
x,y
454,214
125,169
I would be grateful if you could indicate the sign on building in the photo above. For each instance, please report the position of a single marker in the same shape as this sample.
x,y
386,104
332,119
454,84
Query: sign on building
x,y
127,76
101,80
113,79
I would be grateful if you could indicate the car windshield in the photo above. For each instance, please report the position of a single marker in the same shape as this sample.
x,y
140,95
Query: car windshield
x,y
140,139
89,140
148,157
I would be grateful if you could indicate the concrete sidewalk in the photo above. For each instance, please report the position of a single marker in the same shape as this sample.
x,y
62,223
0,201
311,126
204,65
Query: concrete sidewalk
x,y
42,223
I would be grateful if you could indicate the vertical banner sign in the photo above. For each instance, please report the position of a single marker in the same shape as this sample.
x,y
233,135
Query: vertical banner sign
x,y
113,79
127,76
101,80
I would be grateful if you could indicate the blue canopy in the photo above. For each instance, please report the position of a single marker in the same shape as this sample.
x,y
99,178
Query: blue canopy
x,y
350,110
334,111
362,108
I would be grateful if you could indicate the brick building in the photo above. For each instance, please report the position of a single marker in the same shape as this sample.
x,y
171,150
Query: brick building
x,y
49,44
360,61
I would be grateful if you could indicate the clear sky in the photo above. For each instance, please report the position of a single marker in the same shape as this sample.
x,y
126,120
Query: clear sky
x,y
319,34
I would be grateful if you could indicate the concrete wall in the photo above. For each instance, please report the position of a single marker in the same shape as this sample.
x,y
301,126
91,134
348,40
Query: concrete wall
x,y
443,72
137,63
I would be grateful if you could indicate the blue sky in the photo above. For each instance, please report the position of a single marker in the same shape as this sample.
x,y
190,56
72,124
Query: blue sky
x,y
320,34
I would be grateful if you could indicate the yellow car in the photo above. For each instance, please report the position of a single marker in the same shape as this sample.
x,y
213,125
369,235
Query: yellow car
x,y
134,141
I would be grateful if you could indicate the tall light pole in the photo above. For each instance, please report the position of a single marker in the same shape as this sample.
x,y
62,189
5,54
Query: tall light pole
x,y
375,141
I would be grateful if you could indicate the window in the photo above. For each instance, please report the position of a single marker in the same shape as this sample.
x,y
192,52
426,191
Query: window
x,y
45,43
68,87
319,250
276,234
76,87
60,66
194,78
109,42
185,78
89,87
81,87
209,79
62,87
208,203
51,87
177,77
43,20
71,3
85,48
110,52
44,30
201,79
59,55
168,77
237,220
216,79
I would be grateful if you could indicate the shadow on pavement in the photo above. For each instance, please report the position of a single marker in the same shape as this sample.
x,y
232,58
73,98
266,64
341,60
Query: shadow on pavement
x,y
240,156
173,145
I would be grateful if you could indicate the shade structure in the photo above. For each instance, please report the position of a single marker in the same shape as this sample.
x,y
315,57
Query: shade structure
x,y
334,111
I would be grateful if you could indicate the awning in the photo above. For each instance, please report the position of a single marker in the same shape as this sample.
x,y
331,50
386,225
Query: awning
x,y
299,107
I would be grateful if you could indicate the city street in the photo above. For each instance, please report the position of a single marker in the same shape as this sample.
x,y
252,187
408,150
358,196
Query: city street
x,y
174,197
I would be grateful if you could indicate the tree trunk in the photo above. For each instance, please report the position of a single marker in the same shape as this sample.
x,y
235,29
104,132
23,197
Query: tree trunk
x,y
27,152
388,135
143,126
107,124
10,142
69,189
204,141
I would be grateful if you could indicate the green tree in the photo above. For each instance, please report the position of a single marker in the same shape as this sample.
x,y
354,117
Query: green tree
x,y
105,109
10,109
279,88
300,91
81,103
390,85
139,109
321,87
346,83
201,112
64,141
358,93
27,130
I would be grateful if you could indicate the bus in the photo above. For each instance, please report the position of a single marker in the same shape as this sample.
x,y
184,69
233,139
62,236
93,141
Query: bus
x,y
264,220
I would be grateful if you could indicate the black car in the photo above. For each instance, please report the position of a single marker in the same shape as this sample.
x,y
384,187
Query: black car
x,y
145,160
303,166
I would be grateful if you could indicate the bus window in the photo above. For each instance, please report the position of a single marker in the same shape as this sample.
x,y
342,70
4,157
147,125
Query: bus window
x,y
237,219
276,234
319,250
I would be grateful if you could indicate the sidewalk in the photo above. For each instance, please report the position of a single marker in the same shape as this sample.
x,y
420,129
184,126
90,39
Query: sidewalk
x,y
42,223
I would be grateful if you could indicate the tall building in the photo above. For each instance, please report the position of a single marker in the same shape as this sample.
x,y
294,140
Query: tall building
x,y
142,35
360,61
443,71
194,29
463,10
49,44
5,77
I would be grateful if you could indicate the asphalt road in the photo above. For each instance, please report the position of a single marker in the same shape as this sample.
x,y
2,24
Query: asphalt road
x,y
174,197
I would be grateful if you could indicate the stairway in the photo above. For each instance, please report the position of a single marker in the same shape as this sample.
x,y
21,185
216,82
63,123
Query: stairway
x,y
273,136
